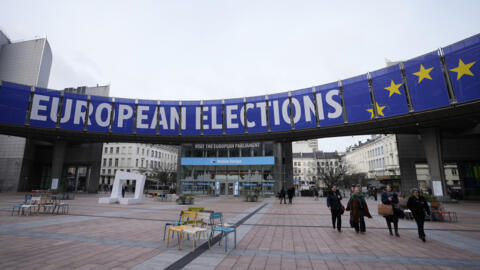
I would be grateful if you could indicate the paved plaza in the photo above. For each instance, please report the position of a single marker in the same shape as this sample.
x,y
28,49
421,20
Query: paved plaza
x,y
269,236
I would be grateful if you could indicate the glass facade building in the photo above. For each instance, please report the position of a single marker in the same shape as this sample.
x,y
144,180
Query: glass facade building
x,y
228,169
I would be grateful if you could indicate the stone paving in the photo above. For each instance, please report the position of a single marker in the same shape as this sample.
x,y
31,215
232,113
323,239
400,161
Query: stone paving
x,y
271,236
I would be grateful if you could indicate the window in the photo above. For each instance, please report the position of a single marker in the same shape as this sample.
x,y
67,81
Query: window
x,y
111,150
116,162
109,162
117,151
454,171
147,152
136,162
103,171
141,164
138,150
109,171
105,161
153,153
143,151
106,150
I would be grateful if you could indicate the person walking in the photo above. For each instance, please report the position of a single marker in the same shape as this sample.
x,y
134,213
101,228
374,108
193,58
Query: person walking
x,y
335,205
123,191
358,210
315,193
418,205
391,198
374,191
282,196
290,192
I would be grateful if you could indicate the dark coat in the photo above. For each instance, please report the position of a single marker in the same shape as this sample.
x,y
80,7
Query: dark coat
x,y
334,200
282,193
418,206
290,192
358,207
387,194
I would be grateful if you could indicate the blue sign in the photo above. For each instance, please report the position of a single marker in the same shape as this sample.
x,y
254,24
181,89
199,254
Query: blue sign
x,y
14,103
73,113
279,112
389,91
249,184
191,110
426,83
212,119
168,118
99,114
303,109
147,117
45,105
358,102
234,116
256,111
463,65
329,104
229,161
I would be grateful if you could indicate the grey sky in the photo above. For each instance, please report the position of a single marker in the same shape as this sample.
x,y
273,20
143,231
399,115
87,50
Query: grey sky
x,y
174,50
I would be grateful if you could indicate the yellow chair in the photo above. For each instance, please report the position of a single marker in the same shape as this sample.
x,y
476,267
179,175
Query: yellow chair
x,y
186,215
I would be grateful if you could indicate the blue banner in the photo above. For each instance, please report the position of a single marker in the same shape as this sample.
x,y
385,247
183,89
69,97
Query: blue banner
x,y
74,110
279,112
45,105
169,118
269,160
234,116
99,114
147,117
358,102
303,109
463,65
123,119
191,113
389,91
329,104
256,110
426,82
212,119
14,103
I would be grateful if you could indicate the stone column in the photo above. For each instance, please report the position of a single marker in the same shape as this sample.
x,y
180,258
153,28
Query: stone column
x,y
287,165
432,144
59,148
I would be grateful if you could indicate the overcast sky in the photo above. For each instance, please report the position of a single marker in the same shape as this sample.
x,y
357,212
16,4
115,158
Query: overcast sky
x,y
172,50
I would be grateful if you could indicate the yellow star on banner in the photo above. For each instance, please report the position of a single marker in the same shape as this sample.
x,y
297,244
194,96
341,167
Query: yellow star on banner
x,y
463,69
393,88
423,73
379,111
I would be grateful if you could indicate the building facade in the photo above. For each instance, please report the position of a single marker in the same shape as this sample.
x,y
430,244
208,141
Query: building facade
x,y
310,168
29,63
235,169
377,157
136,157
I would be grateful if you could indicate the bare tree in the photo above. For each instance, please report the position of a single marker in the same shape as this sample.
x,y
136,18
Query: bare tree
x,y
331,176
160,176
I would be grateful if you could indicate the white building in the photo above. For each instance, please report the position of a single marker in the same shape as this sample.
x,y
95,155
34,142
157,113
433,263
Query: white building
x,y
135,157
424,180
29,63
308,168
377,158
308,146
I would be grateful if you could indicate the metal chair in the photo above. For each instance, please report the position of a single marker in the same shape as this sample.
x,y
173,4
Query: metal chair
x,y
217,225
186,215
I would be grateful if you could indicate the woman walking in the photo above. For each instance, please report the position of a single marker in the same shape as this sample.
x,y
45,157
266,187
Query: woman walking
x,y
418,206
391,198
358,210
334,204
282,196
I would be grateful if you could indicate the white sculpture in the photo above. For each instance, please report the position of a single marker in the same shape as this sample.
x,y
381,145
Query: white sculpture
x,y
116,195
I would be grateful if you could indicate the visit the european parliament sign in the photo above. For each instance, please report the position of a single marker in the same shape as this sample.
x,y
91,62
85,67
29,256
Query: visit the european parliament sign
x,y
434,80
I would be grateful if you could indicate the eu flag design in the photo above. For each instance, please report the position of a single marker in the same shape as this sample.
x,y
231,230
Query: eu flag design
x,y
463,64
426,82
389,91
356,95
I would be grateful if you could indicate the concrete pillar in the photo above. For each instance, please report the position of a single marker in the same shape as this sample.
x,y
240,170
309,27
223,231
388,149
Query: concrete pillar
x,y
431,140
287,164
59,148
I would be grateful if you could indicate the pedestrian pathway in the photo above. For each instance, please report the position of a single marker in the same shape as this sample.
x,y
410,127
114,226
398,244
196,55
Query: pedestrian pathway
x,y
269,236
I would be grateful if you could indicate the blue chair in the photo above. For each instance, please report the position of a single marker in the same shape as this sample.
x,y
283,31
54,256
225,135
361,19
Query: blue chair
x,y
173,223
217,225
19,206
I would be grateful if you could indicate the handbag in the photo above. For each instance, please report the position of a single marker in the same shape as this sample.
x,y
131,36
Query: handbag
x,y
385,210
342,209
